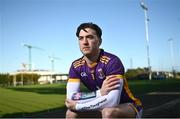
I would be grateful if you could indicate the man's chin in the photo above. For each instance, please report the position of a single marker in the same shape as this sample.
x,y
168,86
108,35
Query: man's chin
x,y
86,53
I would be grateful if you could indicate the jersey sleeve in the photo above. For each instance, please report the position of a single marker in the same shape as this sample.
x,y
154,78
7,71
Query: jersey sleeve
x,y
115,67
73,84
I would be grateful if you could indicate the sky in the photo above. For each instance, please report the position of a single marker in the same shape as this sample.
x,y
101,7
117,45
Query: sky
x,y
51,26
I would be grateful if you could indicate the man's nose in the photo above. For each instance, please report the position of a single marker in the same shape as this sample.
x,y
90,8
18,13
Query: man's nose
x,y
85,41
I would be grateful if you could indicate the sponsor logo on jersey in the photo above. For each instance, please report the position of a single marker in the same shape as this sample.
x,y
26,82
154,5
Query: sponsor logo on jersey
x,y
83,74
99,103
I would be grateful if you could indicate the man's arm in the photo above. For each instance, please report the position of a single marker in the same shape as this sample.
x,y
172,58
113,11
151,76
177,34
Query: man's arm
x,y
73,86
73,89
73,92
109,100
110,96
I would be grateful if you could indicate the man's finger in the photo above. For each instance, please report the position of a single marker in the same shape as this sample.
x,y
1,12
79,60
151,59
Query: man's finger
x,y
113,87
114,79
113,83
67,100
111,76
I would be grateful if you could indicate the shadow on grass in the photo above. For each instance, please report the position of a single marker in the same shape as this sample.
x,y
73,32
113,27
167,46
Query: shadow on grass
x,y
168,110
161,106
51,113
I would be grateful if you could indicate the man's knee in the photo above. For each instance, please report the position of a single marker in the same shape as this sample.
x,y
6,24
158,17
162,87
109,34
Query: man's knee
x,y
70,114
113,113
107,113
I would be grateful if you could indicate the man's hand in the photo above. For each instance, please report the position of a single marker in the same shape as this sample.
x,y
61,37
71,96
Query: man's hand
x,y
110,83
70,104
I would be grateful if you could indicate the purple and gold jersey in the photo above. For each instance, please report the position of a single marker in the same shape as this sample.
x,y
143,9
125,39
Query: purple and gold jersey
x,y
93,76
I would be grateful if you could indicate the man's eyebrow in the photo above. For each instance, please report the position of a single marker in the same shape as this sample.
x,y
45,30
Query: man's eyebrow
x,y
87,35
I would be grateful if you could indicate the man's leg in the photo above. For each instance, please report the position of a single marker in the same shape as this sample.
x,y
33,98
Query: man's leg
x,y
88,114
70,114
121,111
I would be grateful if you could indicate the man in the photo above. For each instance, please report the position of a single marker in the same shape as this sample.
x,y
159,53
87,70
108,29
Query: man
x,y
103,74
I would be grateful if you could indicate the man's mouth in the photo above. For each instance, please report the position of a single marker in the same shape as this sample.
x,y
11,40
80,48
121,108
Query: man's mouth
x,y
85,48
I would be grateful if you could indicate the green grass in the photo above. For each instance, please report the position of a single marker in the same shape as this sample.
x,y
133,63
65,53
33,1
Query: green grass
x,y
158,105
144,86
22,101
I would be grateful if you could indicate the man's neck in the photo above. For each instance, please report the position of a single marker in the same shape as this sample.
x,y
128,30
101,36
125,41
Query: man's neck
x,y
93,58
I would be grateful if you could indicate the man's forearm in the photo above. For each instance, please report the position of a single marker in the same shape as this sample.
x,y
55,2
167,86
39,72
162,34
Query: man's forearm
x,y
73,93
110,100
71,88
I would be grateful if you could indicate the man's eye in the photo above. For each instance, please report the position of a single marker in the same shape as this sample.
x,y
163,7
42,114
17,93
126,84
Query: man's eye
x,y
90,37
80,38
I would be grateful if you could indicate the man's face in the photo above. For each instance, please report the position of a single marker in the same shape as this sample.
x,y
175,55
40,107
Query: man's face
x,y
89,42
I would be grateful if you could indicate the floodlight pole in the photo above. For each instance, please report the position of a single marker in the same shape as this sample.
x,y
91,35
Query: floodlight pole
x,y
131,63
145,8
172,55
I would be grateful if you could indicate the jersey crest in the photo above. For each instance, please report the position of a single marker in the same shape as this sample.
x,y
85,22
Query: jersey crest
x,y
101,73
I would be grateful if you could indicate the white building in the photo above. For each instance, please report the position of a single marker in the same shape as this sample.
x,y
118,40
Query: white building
x,y
46,76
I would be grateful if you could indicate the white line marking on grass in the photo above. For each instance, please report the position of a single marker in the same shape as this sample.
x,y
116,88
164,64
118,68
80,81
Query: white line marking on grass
x,y
163,93
164,106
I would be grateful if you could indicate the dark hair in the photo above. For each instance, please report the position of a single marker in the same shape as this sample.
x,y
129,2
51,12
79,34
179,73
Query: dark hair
x,y
89,25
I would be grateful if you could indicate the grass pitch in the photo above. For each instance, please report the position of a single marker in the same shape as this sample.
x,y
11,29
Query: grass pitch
x,y
23,101
160,99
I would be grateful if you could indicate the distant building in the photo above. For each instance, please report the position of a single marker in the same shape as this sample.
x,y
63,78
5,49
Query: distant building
x,y
46,77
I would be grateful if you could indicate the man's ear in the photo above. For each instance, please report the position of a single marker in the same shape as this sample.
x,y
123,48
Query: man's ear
x,y
100,41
